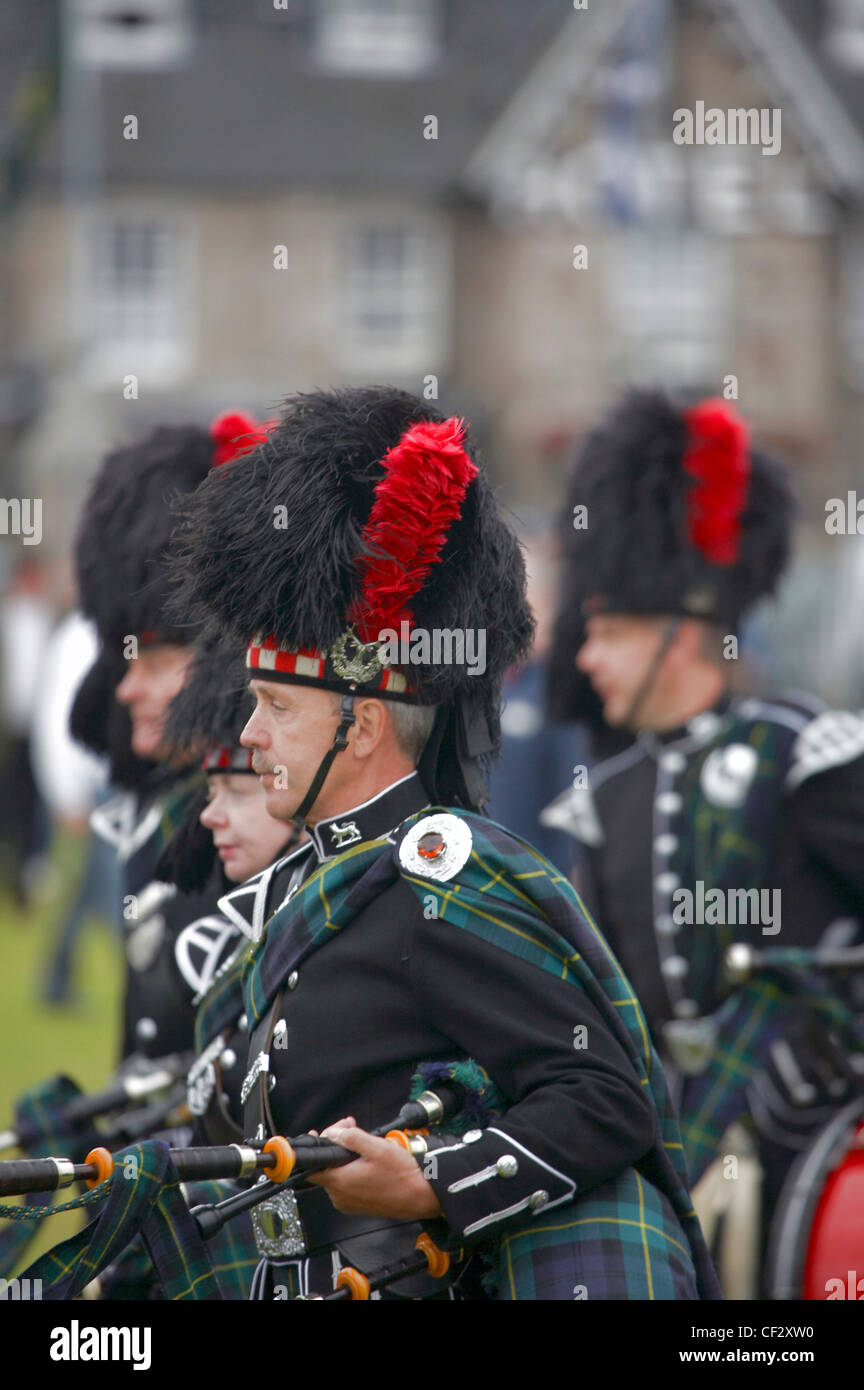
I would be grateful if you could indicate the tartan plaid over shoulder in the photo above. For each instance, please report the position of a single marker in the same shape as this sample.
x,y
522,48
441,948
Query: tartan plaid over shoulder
x,y
636,1236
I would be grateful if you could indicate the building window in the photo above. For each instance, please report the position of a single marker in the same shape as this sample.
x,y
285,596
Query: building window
x,y
380,36
395,298
133,296
130,33
668,305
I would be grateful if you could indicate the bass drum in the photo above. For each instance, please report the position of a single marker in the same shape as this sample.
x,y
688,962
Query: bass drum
x,y
817,1238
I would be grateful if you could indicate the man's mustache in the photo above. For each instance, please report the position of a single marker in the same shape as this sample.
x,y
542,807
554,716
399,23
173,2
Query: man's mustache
x,y
259,766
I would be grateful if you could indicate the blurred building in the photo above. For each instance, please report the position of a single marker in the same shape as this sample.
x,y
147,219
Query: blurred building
x,y
229,199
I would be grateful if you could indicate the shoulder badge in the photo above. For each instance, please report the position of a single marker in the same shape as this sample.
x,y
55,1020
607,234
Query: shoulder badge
x,y
436,847
830,740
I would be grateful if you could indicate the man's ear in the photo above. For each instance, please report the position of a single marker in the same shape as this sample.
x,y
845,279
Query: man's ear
x,y
688,643
369,727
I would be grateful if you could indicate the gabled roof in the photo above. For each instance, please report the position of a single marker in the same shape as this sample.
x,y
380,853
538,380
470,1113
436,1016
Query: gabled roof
x,y
782,39
824,103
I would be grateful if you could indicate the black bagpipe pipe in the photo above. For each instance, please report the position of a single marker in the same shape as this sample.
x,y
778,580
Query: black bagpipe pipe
x,y
311,1154
280,1159
133,1090
285,1163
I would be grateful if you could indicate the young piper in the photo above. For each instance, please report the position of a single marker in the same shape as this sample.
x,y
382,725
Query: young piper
x,y
227,833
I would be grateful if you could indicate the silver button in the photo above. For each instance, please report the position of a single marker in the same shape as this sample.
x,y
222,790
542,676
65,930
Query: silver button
x,y
666,844
704,725
740,760
292,980
686,1008
668,803
507,1166
228,1058
538,1200
673,762
666,925
667,882
471,1136
242,1023
675,968
146,1029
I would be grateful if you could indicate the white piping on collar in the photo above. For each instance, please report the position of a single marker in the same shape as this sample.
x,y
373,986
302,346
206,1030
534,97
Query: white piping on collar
x,y
314,830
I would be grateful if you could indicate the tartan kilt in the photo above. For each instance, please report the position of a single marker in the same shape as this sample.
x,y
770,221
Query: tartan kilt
x,y
631,1245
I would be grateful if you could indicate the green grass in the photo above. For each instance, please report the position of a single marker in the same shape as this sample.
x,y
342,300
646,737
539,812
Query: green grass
x,y
37,1040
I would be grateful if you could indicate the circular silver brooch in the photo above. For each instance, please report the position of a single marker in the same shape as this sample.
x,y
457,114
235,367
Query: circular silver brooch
x,y
436,847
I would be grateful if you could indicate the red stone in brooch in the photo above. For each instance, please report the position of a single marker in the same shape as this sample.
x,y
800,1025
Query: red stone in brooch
x,y
430,845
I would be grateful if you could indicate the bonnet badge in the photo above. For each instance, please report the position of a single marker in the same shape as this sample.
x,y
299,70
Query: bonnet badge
x,y
354,660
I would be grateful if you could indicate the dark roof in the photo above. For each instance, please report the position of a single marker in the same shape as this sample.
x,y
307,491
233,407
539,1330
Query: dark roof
x,y
252,108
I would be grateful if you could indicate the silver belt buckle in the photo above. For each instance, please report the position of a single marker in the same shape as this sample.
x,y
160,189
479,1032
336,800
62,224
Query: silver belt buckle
x,y
690,1043
277,1226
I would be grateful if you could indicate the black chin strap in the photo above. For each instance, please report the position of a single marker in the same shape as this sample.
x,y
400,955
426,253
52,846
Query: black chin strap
x,y
669,634
340,741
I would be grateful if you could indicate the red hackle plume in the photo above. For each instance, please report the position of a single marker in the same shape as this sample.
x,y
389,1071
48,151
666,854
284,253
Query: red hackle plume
x,y
233,434
420,496
717,459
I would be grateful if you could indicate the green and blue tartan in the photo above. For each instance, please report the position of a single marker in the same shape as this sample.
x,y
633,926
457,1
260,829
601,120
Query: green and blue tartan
x,y
232,1252
223,1003
638,1232
733,847
728,847
141,1197
748,1022
40,1113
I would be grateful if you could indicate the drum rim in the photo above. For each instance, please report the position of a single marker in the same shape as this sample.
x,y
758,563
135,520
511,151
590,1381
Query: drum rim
x,y
796,1207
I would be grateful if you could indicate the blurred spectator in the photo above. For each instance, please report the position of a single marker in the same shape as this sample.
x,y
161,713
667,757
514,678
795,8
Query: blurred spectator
x,y
72,781
26,619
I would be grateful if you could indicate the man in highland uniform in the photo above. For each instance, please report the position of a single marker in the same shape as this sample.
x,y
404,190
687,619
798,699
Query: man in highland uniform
x,y
411,939
728,820
121,551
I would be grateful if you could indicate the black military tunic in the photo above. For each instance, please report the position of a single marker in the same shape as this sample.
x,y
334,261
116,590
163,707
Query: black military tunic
x,y
158,1014
753,794
394,989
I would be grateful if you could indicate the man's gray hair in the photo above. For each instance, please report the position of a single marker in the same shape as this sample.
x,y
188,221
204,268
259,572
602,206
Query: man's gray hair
x,y
412,725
